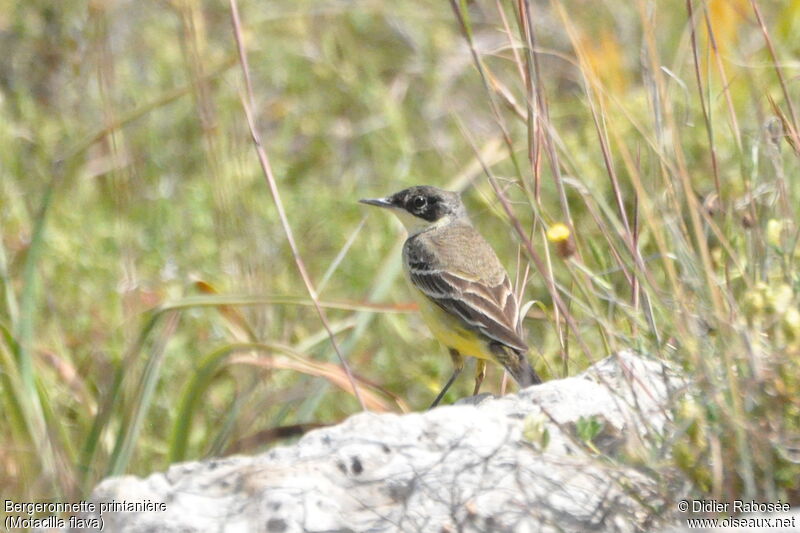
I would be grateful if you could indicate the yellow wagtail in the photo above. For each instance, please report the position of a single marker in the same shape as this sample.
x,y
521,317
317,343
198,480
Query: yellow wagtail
x,y
463,291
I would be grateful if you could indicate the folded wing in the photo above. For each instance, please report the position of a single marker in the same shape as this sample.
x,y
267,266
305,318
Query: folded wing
x,y
489,309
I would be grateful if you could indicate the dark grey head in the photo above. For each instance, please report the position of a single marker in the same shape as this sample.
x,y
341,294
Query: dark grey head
x,y
424,203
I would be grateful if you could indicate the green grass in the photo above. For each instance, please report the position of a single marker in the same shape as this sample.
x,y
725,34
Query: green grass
x,y
152,309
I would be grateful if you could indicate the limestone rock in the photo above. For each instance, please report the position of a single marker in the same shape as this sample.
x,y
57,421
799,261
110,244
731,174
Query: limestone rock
x,y
514,463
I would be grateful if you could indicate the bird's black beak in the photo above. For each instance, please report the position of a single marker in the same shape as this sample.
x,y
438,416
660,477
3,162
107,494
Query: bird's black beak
x,y
379,202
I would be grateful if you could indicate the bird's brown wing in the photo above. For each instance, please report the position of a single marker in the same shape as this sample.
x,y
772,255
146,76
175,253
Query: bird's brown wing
x,y
488,308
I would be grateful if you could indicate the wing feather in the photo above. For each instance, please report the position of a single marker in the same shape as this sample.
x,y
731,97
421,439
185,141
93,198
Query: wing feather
x,y
489,309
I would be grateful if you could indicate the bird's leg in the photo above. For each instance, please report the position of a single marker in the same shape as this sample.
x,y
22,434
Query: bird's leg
x,y
458,366
480,373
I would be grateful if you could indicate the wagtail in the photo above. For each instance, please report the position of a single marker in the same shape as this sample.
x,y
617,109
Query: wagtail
x,y
463,291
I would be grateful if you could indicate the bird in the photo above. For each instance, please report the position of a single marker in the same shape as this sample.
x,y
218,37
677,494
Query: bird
x,y
463,292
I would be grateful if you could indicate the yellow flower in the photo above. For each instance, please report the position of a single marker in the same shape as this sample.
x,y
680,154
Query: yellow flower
x,y
791,323
559,235
754,299
780,298
558,232
774,231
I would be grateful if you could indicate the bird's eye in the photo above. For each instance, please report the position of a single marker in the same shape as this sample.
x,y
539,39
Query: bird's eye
x,y
419,202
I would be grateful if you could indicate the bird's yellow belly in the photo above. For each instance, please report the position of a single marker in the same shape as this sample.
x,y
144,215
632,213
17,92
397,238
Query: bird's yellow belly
x,y
449,331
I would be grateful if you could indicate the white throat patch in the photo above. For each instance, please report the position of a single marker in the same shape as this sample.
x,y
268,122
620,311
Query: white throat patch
x,y
415,225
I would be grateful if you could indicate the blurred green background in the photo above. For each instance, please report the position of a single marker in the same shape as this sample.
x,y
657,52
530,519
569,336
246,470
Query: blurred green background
x,y
152,310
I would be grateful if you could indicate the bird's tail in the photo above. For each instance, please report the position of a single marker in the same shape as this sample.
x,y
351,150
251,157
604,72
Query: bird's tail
x,y
525,374
517,365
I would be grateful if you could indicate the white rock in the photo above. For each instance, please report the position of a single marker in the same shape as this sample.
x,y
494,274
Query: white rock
x,y
457,468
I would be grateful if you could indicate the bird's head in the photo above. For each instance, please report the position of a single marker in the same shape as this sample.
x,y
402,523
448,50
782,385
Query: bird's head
x,y
422,207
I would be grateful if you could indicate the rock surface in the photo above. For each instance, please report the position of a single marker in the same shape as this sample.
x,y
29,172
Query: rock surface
x,y
503,464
